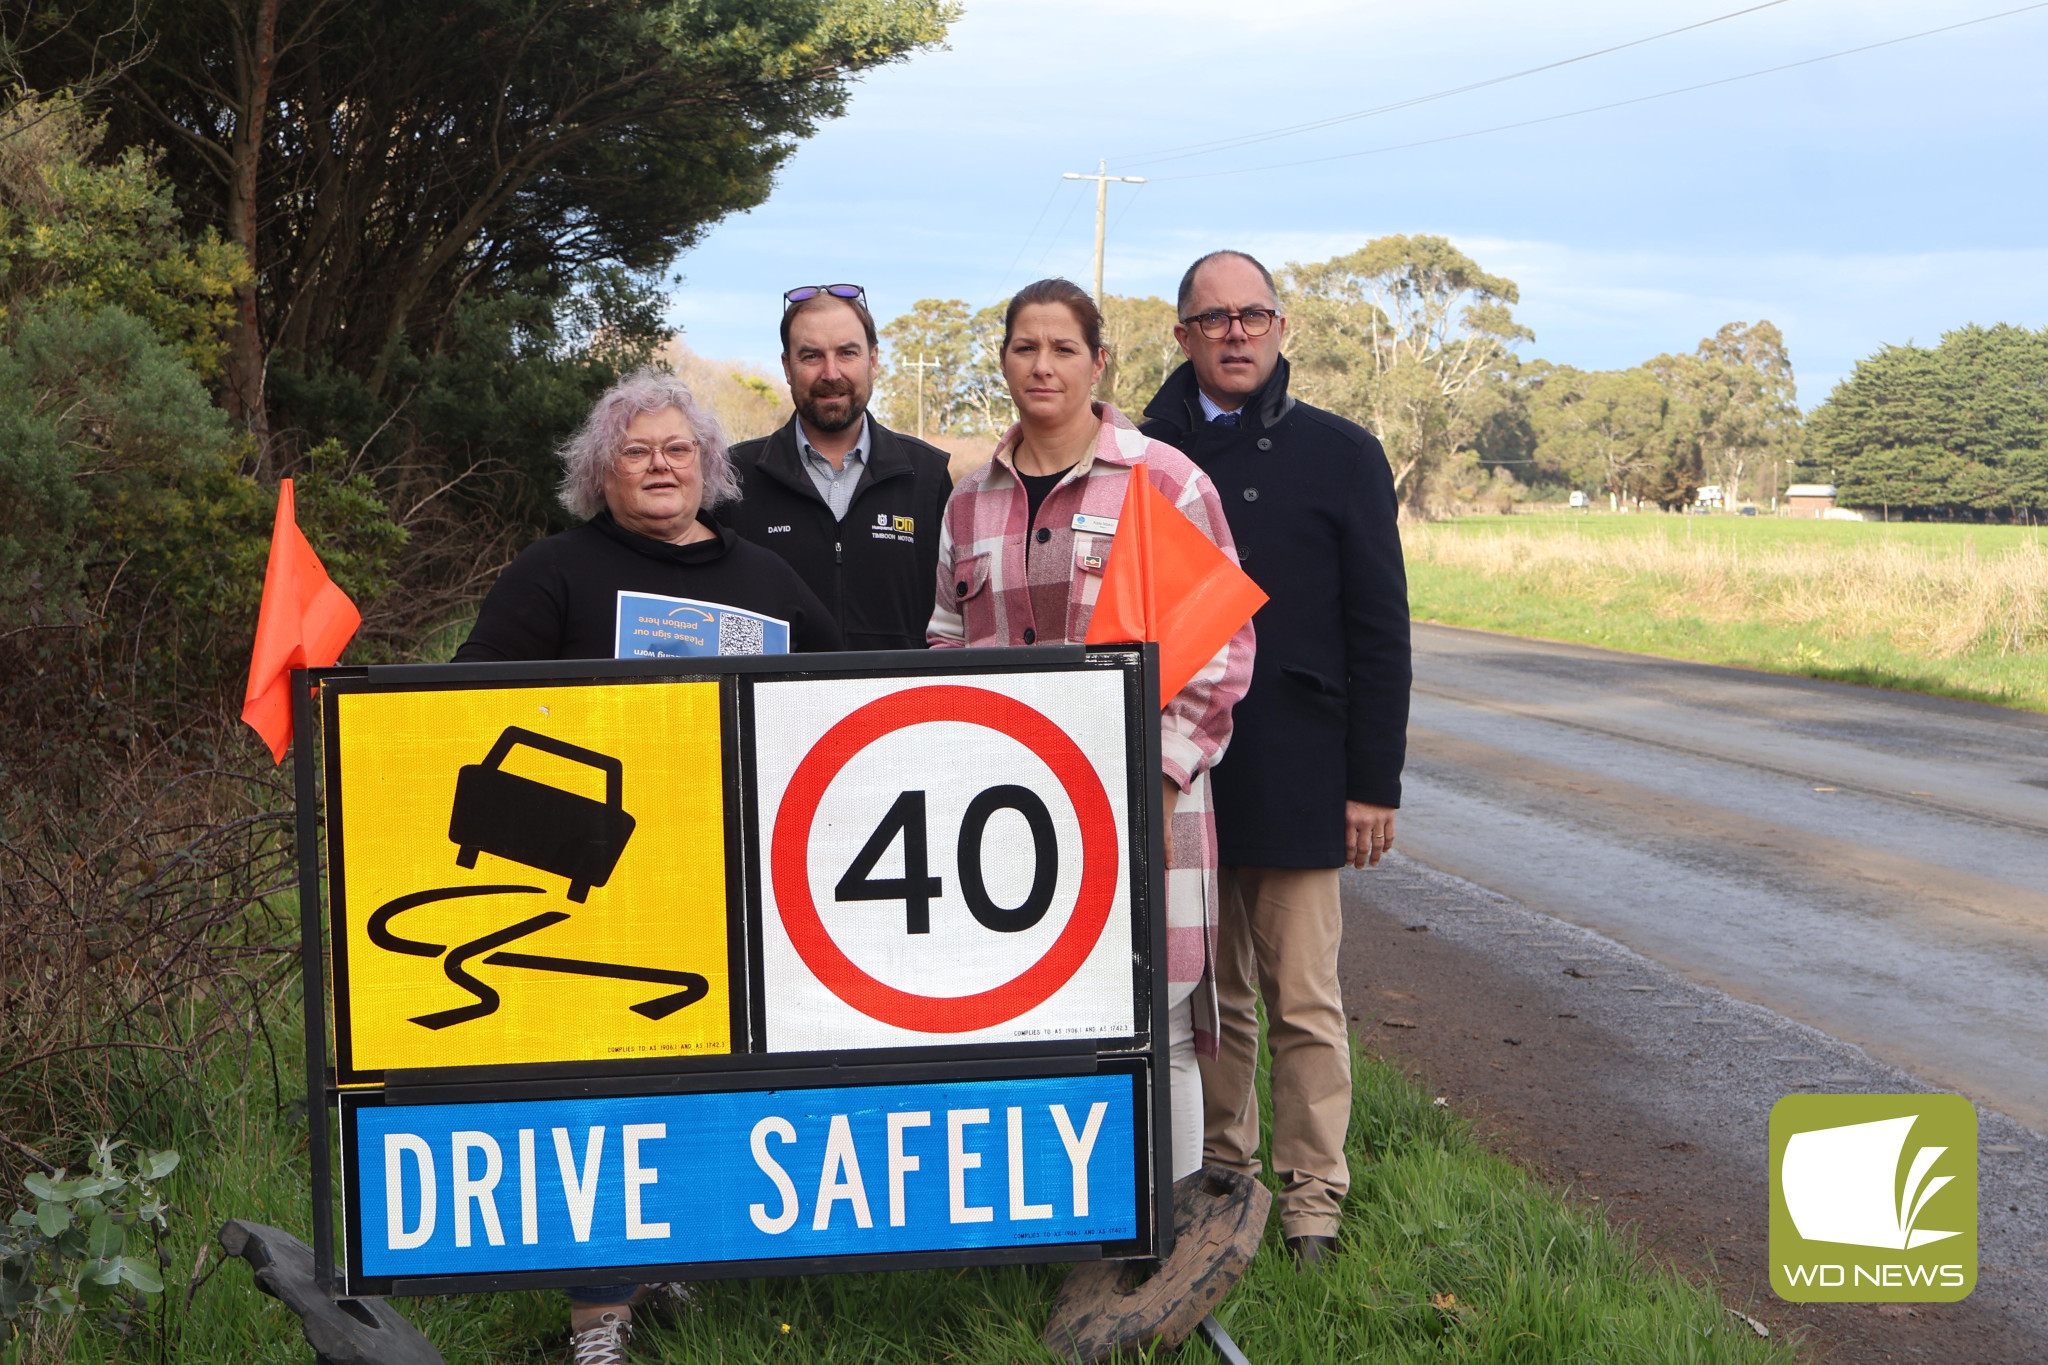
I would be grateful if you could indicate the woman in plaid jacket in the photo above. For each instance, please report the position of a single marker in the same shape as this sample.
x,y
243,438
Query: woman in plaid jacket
x,y
1021,554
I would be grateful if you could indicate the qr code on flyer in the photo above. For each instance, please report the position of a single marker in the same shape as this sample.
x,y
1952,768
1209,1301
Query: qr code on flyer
x,y
741,635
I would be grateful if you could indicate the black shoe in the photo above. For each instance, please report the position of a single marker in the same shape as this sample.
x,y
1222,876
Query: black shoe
x,y
1309,1252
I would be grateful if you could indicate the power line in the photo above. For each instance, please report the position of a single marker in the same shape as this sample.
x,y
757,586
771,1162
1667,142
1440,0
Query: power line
x,y
1057,233
1010,272
1602,108
1248,139
1129,200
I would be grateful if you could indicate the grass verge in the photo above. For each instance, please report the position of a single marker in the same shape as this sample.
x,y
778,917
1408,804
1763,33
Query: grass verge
x,y
1449,1252
1957,611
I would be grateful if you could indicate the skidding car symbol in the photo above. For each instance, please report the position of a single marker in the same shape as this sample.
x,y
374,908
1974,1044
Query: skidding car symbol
x,y
541,826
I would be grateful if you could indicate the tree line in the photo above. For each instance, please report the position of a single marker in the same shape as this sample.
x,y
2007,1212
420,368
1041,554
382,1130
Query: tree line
x,y
1957,431
1411,338
1414,340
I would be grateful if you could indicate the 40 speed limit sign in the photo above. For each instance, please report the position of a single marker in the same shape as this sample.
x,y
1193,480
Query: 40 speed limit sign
x,y
944,859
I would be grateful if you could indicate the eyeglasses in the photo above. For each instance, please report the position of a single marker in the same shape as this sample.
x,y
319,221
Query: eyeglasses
x,y
806,293
679,454
1215,323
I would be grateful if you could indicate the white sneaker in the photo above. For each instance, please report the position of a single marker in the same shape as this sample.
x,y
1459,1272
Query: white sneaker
x,y
602,1344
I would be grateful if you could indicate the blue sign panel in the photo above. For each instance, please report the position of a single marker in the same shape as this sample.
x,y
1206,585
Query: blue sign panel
x,y
543,1185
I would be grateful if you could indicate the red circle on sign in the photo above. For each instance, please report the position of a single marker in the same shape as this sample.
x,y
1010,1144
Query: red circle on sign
x,y
789,859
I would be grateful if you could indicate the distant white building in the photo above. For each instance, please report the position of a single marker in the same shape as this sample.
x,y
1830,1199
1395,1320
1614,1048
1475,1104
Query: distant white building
x,y
1711,496
1809,500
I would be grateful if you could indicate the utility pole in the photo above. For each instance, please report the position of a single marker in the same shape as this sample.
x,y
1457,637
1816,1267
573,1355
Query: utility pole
x,y
1102,177
920,365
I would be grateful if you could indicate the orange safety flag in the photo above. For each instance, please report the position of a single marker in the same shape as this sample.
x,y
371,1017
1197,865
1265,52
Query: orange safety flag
x,y
1168,582
304,623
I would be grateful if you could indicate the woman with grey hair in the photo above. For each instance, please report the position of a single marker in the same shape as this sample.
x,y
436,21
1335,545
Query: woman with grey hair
x,y
643,473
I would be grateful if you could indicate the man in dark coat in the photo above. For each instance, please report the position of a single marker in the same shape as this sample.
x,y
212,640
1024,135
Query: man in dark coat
x,y
1313,774
852,506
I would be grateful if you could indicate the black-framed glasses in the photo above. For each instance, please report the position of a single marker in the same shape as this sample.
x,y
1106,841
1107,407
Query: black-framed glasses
x,y
1215,324
805,293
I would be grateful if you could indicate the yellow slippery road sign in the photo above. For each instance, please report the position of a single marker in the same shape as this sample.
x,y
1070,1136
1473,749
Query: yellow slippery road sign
x,y
531,874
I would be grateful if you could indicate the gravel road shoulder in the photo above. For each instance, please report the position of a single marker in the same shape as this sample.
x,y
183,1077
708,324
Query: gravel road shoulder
x,y
1650,1096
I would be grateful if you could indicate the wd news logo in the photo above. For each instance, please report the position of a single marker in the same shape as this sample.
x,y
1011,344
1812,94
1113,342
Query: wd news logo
x,y
1873,1198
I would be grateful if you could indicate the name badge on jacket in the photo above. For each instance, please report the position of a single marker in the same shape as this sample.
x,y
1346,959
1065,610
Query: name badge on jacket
x,y
1101,526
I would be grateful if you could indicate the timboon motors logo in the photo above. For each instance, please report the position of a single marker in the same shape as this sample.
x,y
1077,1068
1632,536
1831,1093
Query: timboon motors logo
x,y
1873,1198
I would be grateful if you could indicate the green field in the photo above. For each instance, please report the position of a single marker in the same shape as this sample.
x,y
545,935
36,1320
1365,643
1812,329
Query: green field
x,y
1952,610
1761,531
1449,1253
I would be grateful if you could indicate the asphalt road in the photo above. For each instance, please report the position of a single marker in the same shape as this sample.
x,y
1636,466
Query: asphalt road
x,y
1871,864
1648,1096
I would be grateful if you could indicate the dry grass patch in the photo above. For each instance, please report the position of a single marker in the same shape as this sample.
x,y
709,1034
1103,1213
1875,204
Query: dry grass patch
x,y
1951,617
1930,603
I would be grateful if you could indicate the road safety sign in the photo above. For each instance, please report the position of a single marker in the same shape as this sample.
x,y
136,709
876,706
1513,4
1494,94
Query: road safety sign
x,y
507,860
945,860
519,1186
574,907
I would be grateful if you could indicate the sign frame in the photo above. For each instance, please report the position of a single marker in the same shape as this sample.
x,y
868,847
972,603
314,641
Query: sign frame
x,y
747,1067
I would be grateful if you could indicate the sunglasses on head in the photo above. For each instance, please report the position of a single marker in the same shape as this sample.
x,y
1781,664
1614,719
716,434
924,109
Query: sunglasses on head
x,y
805,293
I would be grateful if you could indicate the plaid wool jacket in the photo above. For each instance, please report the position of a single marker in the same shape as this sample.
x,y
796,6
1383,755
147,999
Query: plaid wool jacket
x,y
990,592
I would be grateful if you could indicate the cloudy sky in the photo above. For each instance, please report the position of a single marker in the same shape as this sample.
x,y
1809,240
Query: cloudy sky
x,y
1884,196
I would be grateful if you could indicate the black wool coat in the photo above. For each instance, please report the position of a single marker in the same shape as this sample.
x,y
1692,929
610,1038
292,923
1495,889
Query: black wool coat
x,y
876,569
1310,501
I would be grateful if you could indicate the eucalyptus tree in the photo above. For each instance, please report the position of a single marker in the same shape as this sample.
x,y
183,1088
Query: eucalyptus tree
x,y
928,362
1403,335
1620,430
1740,384
1138,334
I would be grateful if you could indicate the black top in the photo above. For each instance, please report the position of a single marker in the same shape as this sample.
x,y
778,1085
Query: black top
x,y
876,569
559,599
1036,486
1310,501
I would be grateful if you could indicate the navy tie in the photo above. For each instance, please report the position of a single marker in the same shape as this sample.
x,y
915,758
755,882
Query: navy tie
x,y
1225,419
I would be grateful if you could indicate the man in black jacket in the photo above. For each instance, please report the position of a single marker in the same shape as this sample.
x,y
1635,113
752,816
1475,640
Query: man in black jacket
x,y
1313,774
852,506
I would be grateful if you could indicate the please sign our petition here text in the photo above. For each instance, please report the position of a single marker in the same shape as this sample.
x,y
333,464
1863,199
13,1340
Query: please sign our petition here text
x,y
459,1189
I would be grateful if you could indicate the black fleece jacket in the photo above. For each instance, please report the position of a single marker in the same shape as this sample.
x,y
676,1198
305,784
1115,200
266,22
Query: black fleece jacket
x,y
559,599
1310,501
876,570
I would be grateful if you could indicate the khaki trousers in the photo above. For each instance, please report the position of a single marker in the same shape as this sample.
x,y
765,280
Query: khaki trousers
x,y
1278,936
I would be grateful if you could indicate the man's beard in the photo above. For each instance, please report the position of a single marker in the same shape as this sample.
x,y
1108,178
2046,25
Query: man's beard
x,y
808,406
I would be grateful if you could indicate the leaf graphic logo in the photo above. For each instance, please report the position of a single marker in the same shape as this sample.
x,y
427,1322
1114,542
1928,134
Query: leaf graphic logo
x,y
1839,1182
1873,1198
